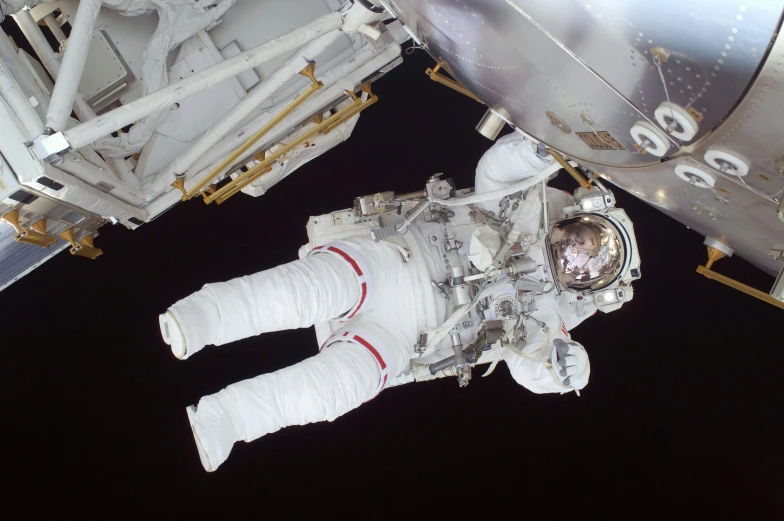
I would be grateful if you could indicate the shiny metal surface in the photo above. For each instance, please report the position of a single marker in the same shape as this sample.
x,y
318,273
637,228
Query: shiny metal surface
x,y
742,216
518,70
561,67
587,252
715,47
755,130
737,216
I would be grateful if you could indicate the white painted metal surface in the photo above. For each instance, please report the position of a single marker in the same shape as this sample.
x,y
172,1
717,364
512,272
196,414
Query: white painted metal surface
x,y
206,101
105,124
74,59
256,97
335,86
13,94
105,70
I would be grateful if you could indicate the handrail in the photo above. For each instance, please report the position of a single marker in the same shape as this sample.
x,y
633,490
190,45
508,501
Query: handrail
x,y
356,106
714,255
448,82
299,100
570,169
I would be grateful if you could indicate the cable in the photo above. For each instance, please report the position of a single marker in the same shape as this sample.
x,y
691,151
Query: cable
x,y
664,84
501,192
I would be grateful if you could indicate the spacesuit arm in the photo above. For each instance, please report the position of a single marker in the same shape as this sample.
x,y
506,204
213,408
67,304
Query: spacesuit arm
x,y
512,158
549,363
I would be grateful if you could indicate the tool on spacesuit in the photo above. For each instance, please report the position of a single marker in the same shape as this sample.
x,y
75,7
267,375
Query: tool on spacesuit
x,y
462,366
402,225
435,188
463,358
461,289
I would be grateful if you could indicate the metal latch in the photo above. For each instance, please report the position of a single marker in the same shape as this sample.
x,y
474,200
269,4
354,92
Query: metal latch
x,y
84,247
35,235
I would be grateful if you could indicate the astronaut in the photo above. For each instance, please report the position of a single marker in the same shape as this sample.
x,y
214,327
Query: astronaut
x,y
413,287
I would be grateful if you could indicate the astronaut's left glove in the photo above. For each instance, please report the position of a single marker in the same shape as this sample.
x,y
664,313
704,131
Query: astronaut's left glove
x,y
570,364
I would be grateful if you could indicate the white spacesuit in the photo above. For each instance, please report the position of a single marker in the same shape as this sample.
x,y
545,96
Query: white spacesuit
x,y
413,287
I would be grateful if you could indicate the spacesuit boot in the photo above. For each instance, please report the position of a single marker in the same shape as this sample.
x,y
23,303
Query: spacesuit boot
x,y
214,432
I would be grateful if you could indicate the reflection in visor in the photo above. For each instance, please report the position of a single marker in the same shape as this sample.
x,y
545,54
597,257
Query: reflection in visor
x,y
587,252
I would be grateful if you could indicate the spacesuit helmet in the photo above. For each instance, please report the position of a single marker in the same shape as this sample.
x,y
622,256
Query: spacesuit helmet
x,y
588,251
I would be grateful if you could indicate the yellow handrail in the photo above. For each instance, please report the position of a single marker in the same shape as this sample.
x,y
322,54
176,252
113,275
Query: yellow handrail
x,y
569,168
713,256
262,167
299,100
448,82
748,290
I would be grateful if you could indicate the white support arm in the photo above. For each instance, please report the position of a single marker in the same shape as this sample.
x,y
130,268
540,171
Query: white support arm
x,y
49,58
334,73
248,104
67,84
353,74
38,41
53,26
90,174
28,169
116,119
13,94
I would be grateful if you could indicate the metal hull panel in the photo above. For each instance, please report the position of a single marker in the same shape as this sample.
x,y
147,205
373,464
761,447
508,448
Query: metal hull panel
x,y
590,65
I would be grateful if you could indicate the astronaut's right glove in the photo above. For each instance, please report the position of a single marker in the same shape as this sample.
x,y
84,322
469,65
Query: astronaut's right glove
x,y
570,364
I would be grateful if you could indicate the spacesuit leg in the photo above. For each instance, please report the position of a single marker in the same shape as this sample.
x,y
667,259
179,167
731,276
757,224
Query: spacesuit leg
x,y
293,295
354,366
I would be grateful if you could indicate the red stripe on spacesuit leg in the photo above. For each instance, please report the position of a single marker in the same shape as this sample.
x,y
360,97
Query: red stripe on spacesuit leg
x,y
361,300
372,351
348,259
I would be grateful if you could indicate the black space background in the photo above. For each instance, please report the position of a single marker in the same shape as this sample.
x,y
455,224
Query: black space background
x,y
681,418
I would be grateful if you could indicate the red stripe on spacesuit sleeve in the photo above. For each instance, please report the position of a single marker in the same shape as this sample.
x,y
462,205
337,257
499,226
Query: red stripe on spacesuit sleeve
x,y
348,258
372,350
